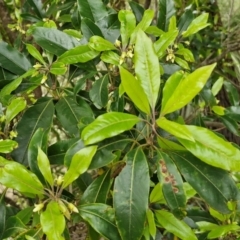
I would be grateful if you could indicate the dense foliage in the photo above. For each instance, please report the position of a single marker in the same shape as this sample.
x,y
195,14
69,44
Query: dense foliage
x,y
110,115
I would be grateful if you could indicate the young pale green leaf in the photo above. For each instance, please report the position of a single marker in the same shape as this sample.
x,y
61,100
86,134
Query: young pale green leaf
x,y
176,129
80,54
58,68
147,67
110,57
190,86
169,145
53,221
221,231
151,223
130,198
80,163
98,43
182,63
101,217
108,125
156,195
35,53
134,90
15,107
74,33
196,25
44,166
219,110
212,149
6,146
217,86
154,30
164,41
174,225
128,24
16,176
186,53
172,23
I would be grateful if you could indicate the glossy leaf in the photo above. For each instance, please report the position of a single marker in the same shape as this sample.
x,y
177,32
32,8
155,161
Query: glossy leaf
x,y
13,60
213,184
98,190
217,86
101,217
58,68
164,41
38,116
156,195
89,28
134,90
176,129
80,54
151,223
79,164
99,92
108,125
130,199
52,221
6,146
98,43
137,9
191,85
185,20
146,60
174,225
35,53
169,145
37,6
16,176
110,57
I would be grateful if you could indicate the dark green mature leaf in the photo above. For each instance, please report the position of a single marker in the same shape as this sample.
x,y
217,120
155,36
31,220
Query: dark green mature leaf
x,y
2,219
212,149
53,40
98,190
13,226
69,113
53,221
6,146
13,60
89,29
137,9
38,116
108,125
214,185
166,11
146,67
232,92
130,198
37,7
102,218
185,20
92,9
99,92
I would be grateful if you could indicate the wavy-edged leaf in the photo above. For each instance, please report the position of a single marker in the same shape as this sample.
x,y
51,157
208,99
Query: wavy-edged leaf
x,y
38,116
146,67
79,54
130,198
98,190
174,225
79,164
191,85
108,125
212,149
15,175
101,217
213,184
53,221
134,90
6,146
100,44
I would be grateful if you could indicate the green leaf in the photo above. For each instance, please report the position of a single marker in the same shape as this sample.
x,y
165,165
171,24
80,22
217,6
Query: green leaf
x,y
176,129
128,24
221,231
137,9
213,184
196,25
101,217
99,92
14,226
73,33
58,68
44,166
191,85
134,90
13,60
53,221
15,107
186,53
217,86
108,125
174,225
164,41
151,223
16,176
6,146
232,93
92,9
38,116
35,53
80,163
185,20
146,67
154,30
80,54
98,190
212,149
182,63
156,195
110,57
169,145
130,198
37,7
69,113
25,215
100,44
2,219
89,29
53,40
